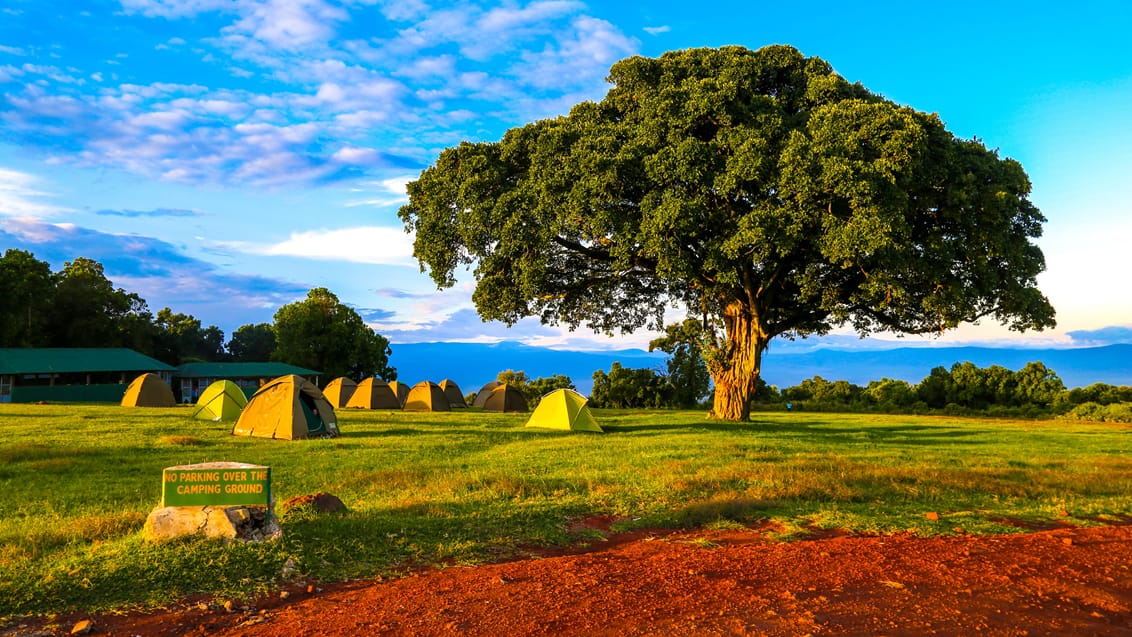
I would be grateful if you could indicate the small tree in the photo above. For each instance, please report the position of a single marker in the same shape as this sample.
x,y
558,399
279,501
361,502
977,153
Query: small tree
x,y
252,343
688,378
28,286
322,334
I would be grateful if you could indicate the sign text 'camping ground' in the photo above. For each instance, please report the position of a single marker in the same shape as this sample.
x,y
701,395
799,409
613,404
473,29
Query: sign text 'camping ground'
x,y
216,484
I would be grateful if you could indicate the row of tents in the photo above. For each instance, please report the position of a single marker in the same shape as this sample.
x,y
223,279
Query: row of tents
x,y
291,407
372,393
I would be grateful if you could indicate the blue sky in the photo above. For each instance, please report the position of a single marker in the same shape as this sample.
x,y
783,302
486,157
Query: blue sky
x,y
222,157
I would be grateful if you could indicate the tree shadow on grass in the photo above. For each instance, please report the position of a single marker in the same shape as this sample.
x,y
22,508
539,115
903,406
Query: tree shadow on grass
x,y
896,434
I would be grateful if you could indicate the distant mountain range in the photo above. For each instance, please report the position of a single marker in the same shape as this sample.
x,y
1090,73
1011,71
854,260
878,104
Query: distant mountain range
x,y
473,364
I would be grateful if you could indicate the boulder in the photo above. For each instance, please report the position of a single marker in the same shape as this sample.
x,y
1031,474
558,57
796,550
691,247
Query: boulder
x,y
245,523
321,502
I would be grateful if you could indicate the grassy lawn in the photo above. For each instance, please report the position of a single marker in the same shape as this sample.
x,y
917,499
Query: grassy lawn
x,y
77,481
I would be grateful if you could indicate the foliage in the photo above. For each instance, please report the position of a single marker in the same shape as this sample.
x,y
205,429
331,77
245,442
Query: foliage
x,y
688,378
88,311
252,343
469,487
627,387
533,390
758,188
180,339
322,334
28,288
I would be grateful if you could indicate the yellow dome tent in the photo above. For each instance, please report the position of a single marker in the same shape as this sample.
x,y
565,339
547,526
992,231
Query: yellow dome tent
x,y
148,390
222,400
374,394
427,396
339,391
452,391
564,409
506,398
290,408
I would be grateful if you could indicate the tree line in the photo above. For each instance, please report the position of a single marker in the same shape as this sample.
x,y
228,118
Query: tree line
x,y
1035,391
78,306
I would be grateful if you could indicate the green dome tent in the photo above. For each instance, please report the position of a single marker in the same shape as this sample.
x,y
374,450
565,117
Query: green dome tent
x,y
452,391
401,389
484,393
427,396
506,398
222,400
564,409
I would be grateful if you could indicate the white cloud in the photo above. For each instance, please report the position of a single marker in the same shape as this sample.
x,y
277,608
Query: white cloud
x,y
20,196
391,192
658,30
367,244
289,24
332,110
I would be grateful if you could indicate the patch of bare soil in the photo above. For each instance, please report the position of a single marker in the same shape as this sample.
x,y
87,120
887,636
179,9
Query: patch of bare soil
x,y
1064,581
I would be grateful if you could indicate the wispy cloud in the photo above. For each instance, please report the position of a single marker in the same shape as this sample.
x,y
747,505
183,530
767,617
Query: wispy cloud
x,y
21,196
156,270
157,212
327,105
368,244
658,30
1103,336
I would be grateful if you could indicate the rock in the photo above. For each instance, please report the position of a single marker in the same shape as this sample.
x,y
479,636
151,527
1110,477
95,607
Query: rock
x,y
321,502
82,627
230,522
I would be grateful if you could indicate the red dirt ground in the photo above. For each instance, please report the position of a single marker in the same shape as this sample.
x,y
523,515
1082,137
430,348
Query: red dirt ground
x,y
1065,581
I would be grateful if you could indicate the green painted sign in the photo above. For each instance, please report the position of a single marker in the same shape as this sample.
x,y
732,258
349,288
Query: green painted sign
x,y
216,484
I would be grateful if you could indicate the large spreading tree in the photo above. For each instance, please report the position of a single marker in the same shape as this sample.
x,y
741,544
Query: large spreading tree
x,y
759,189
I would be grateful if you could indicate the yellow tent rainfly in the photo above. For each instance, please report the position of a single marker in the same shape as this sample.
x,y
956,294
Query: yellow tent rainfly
x,y
564,409
148,390
289,408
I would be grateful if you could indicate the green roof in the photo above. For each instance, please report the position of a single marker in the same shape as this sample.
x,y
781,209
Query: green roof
x,y
63,360
240,370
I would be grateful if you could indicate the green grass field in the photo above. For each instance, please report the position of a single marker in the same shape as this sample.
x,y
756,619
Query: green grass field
x,y
77,482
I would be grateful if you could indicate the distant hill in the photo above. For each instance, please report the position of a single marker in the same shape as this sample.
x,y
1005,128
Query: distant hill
x,y
473,364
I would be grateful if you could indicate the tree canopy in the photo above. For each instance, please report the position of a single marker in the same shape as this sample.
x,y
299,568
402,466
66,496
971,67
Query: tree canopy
x,y
321,333
759,189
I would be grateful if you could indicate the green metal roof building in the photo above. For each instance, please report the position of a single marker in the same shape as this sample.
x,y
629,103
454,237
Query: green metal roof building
x,y
73,373
193,378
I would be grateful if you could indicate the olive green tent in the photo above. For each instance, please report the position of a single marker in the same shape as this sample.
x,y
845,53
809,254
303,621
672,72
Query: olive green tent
x,y
339,391
564,409
148,390
427,396
401,389
452,391
374,394
222,400
506,398
290,408
484,393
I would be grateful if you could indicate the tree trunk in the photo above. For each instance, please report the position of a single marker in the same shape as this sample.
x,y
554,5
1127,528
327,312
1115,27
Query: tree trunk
x,y
735,367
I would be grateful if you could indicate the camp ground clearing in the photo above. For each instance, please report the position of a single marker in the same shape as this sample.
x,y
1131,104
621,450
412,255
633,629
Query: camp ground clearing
x,y
467,486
